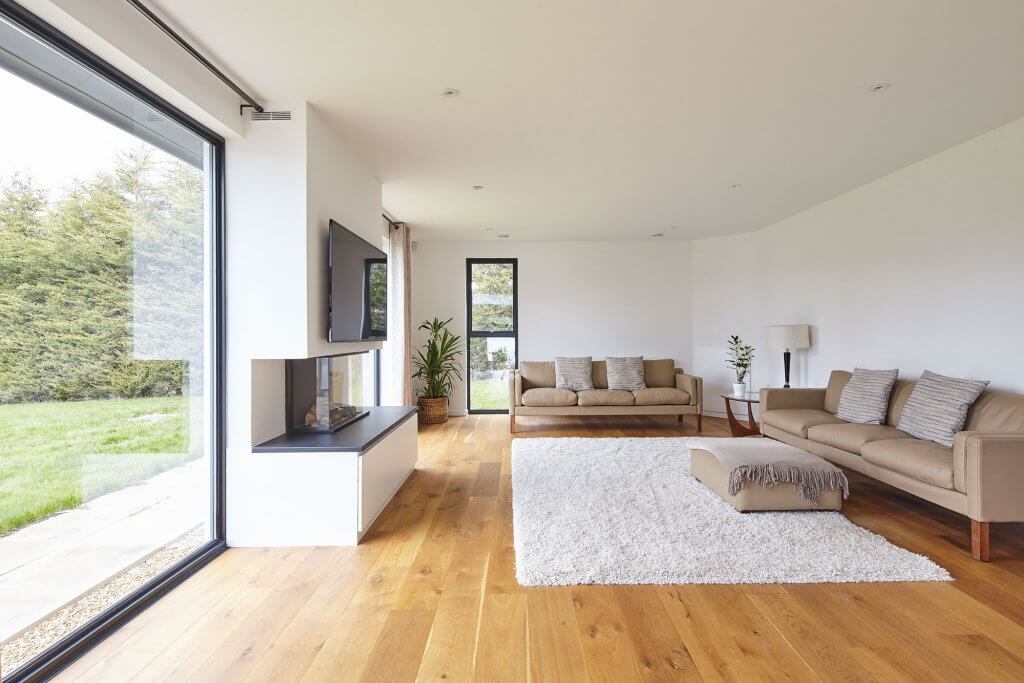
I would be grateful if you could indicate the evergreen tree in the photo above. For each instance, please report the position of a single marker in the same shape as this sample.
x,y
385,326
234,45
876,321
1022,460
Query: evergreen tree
x,y
101,290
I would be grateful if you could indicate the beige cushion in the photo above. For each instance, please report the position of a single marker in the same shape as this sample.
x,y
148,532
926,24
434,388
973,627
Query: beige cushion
x,y
852,437
797,420
925,461
707,469
659,373
537,373
836,383
548,397
661,396
604,397
995,411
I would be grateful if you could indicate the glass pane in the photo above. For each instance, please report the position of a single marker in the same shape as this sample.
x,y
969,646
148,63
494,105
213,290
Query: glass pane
x,y
353,379
105,375
326,393
491,285
491,360
378,297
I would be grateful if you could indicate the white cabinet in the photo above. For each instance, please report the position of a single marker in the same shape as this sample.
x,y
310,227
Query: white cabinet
x,y
326,489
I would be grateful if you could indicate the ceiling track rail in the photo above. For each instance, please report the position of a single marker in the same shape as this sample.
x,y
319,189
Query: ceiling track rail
x,y
250,101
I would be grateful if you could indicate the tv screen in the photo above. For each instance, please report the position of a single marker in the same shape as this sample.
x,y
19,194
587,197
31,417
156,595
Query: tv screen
x,y
357,273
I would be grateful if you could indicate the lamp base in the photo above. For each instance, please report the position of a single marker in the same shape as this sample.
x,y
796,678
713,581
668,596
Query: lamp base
x,y
785,364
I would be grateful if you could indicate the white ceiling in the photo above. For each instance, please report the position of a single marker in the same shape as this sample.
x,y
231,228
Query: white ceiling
x,y
614,120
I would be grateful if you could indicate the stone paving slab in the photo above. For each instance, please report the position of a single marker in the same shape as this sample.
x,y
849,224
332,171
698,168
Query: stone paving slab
x,y
50,563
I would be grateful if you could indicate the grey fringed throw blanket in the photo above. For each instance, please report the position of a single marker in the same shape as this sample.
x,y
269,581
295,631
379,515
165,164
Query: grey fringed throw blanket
x,y
767,462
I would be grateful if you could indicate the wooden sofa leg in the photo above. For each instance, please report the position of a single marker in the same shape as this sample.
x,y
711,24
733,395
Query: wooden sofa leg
x,y
512,423
700,422
680,419
979,540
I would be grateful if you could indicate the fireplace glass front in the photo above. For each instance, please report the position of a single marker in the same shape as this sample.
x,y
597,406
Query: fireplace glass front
x,y
324,394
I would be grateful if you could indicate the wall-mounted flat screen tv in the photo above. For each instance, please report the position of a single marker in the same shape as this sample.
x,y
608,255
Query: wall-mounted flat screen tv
x,y
357,273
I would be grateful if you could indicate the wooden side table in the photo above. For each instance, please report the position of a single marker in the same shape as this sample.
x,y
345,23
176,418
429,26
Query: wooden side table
x,y
735,426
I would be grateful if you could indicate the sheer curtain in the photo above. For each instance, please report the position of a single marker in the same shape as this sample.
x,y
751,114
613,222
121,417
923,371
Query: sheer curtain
x,y
398,348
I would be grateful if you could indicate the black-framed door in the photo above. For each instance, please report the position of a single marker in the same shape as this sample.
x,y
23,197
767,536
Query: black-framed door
x,y
149,395
492,332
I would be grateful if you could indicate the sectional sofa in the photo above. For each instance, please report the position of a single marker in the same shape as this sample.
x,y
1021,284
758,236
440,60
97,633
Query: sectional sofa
x,y
670,391
981,476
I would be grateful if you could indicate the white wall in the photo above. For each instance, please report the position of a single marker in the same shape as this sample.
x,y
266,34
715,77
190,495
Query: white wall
x,y
921,269
575,298
285,180
338,187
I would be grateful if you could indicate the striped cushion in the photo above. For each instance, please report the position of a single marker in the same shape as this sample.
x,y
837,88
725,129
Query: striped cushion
x,y
626,373
575,374
865,397
938,405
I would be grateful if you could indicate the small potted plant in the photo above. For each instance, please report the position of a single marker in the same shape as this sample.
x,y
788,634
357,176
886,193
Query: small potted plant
x,y
437,367
740,357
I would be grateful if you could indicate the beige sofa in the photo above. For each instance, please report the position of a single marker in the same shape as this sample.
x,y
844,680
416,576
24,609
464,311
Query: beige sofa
x,y
981,476
670,391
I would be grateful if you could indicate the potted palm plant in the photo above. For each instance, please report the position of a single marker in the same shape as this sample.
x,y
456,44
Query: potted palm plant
x,y
437,366
740,357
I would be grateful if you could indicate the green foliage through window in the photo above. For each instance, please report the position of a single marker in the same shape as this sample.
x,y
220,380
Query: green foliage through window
x,y
492,296
378,295
101,288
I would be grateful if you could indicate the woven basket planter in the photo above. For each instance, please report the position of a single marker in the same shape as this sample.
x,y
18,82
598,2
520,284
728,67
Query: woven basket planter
x,y
433,411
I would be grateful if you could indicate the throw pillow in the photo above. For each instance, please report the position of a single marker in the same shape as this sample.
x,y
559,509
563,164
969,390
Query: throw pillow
x,y
626,373
938,405
574,373
865,397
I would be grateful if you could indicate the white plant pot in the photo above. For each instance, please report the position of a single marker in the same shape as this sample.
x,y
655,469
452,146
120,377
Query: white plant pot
x,y
739,388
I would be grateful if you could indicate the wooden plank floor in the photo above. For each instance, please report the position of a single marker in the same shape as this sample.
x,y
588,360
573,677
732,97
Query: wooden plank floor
x,y
431,594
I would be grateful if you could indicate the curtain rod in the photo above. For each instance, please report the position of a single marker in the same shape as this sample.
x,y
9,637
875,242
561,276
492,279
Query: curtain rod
x,y
184,44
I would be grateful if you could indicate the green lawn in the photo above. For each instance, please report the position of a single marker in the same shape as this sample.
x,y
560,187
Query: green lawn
x,y
489,394
54,456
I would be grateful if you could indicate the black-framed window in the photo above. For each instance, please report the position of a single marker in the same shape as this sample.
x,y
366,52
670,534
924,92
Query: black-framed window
x,y
112,307
492,324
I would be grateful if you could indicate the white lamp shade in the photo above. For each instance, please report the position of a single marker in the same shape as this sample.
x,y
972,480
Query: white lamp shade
x,y
789,336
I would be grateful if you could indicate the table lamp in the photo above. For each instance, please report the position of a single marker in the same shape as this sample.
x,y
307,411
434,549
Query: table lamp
x,y
787,338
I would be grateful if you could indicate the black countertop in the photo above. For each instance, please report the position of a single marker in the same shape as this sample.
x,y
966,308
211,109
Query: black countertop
x,y
360,436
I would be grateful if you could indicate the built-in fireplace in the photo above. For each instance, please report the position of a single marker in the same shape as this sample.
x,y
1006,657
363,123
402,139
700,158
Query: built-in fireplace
x,y
327,393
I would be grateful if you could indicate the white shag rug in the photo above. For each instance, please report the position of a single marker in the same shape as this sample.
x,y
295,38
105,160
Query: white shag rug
x,y
628,511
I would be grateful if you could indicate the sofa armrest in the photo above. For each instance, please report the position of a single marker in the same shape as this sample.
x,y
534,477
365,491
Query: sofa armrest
x,y
776,399
989,468
515,390
692,385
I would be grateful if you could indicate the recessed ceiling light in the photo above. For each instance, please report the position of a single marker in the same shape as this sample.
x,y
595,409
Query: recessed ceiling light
x,y
734,186
478,187
674,227
879,87
658,234
450,92
503,235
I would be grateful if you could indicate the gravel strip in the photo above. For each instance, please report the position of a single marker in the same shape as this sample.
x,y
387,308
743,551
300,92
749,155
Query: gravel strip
x,y
31,641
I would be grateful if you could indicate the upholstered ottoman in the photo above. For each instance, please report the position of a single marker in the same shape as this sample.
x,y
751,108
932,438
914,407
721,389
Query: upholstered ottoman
x,y
752,496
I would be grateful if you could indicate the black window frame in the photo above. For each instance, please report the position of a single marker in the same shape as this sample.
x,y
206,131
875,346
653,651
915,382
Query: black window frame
x,y
503,334
63,652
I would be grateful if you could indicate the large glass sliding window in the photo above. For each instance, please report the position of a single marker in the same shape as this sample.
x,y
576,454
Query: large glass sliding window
x,y
491,293
109,302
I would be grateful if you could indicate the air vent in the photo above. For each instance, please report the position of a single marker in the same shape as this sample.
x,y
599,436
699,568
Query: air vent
x,y
271,116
